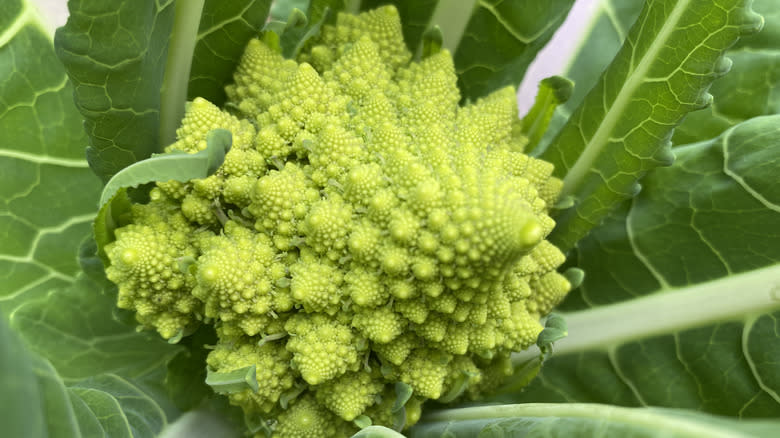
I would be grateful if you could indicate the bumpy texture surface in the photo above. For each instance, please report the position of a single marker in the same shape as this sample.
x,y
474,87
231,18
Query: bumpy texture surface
x,y
363,230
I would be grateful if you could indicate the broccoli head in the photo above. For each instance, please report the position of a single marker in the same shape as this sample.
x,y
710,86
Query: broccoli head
x,y
365,231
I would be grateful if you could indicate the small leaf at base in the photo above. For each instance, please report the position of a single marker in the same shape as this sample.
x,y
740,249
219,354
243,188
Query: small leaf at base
x,y
553,91
233,381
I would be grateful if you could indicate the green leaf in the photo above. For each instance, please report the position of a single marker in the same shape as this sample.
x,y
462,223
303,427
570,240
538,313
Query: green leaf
x,y
233,381
225,28
752,87
432,42
748,90
48,192
711,214
298,30
128,60
377,432
457,388
403,392
62,417
115,206
68,382
621,129
113,214
362,421
555,329
20,396
296,21
574,419
517,31
121,408
600,41
179,166
66,327
325,10
553,91
680,304
281,10
115,53
84,322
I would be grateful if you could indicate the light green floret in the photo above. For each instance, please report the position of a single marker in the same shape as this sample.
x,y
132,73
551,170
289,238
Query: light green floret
x,y
364,230
280,201
236,278
307,418
322,347
316,284
146,263
272,369
380,325
349,395
425,371
327,225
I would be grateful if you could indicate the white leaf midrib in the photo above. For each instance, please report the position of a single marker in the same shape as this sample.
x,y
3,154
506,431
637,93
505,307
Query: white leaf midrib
x,y
731,298
646,418
25,17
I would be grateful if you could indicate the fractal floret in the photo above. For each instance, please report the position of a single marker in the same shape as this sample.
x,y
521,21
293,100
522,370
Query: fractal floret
x,y
365,231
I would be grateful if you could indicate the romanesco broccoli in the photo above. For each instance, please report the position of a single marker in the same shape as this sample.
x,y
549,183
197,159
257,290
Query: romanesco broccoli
x,y
363,230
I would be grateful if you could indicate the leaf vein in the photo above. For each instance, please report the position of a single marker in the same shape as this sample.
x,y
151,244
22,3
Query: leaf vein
x,y
751,362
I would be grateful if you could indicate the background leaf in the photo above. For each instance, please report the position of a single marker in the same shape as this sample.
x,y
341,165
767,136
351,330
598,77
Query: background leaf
x,y
516,31
748,90
710,217
574,419
47,192
21,398
179,166
377,432
752,87
72,365
622,128
599,44
115,53
97,342
281,10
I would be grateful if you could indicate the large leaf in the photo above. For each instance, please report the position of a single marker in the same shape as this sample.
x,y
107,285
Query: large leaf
x,y
47,192
79,331
37,402
679,307
73,368
20,395
751,89
573,419
129,61
622,128
225,28
517,31
116,55
599,42
492,41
